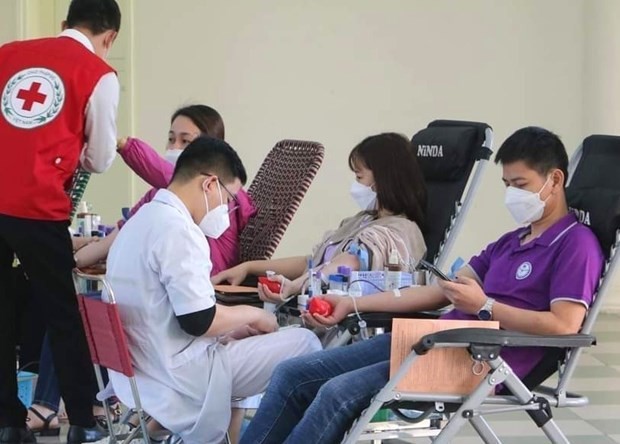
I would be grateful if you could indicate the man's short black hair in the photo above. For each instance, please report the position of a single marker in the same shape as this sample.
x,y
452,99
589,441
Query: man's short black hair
x,y
206,155
540,149
97,16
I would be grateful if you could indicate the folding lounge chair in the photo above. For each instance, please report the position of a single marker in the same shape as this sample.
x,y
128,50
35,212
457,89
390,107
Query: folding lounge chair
x,y
108,347
277,190
452,155
594,192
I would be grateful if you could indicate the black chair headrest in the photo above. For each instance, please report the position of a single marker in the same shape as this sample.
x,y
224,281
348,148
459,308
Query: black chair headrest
x,y
446,150
594,189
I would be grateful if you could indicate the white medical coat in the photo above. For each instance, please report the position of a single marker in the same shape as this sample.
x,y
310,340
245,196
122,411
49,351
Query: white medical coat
x,y
159,268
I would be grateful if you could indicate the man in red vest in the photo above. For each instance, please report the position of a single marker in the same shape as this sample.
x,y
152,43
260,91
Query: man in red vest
x,y
58,104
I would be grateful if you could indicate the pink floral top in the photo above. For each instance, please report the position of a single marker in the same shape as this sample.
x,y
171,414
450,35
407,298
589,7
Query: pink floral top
x,y
157,172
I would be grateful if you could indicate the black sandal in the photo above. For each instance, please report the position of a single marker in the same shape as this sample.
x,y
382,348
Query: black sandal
x,y
44,430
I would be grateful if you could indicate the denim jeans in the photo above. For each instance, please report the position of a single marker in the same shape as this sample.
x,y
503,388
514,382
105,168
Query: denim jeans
x,y
47,392
316,397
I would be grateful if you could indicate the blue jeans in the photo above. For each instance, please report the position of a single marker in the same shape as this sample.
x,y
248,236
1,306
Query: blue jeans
x,y
47,392
315,398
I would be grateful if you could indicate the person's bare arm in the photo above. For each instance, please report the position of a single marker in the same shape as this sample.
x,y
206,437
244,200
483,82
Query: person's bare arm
x,y
80,242
342,259
564,317
228,319
95,251
414,299
411,300
290,267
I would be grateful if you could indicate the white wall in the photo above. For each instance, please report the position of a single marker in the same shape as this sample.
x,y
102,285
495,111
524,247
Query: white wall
x,y
339,71
9,20
602,68
601,98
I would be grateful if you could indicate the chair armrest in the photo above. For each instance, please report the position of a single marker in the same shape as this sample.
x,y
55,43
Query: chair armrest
x,y
468,337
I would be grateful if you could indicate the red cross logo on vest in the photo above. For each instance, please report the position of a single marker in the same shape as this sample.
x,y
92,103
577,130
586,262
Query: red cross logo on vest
x,y
32,97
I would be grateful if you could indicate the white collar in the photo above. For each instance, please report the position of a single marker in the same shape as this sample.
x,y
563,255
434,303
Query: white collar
x,y
167,197
78,36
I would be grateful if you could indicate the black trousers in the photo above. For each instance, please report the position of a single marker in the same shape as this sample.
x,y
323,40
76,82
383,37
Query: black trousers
x,y
30,324
45,252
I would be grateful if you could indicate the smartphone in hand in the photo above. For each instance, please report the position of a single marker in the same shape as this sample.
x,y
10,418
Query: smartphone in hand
x,y
425,265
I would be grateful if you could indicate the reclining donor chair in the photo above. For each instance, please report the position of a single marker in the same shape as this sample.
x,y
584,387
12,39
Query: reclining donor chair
x,y
277,190
452,155
594,193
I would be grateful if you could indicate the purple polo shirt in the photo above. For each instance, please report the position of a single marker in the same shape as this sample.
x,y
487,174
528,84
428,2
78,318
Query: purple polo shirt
x,y
563,264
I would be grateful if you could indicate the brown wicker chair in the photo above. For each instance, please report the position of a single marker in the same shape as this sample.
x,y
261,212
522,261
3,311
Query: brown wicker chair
x,y
277,190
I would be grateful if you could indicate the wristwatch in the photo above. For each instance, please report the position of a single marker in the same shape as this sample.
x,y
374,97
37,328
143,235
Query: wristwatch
x,y
486,312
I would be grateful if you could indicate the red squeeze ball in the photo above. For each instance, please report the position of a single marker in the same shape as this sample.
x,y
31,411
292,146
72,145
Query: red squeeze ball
x,y
273,286
320,307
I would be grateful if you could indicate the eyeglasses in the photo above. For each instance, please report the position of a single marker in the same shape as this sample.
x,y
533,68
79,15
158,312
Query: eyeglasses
x,y
234,196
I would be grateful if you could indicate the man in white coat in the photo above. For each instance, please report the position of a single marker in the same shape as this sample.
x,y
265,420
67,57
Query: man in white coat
x,y
159,269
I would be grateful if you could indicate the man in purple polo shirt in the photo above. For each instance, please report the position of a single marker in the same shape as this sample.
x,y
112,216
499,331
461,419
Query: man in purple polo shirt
x,y
537,279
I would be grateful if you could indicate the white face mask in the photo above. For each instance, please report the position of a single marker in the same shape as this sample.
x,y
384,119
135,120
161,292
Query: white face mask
x,y
525,206
172,156
364,196
216,221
